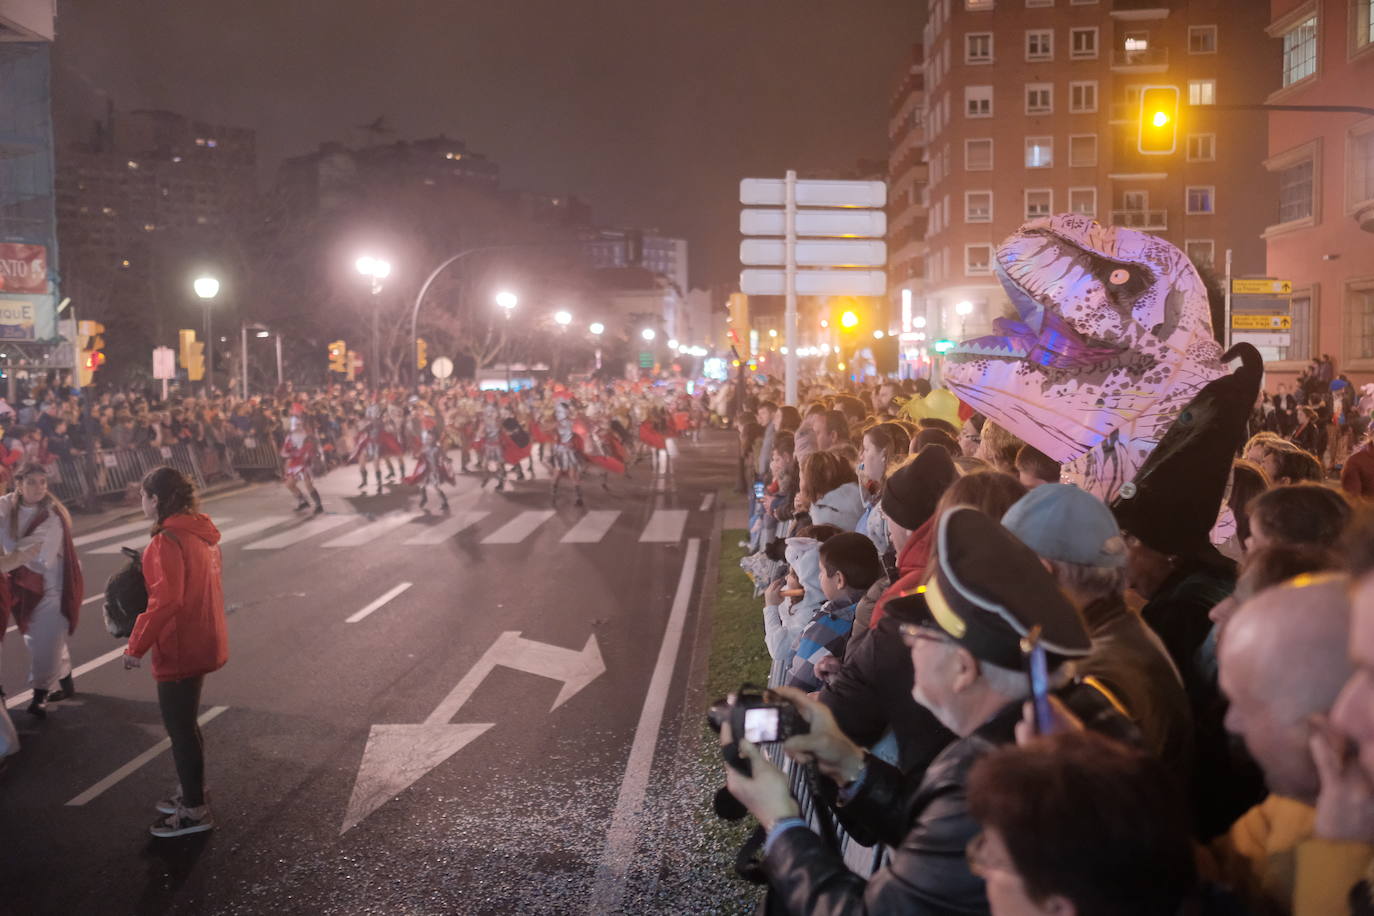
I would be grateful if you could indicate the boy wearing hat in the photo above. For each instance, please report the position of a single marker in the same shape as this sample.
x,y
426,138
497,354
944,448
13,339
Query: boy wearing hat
x,y
964,629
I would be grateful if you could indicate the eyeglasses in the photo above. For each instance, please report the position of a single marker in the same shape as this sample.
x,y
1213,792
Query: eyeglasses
x,y
914,631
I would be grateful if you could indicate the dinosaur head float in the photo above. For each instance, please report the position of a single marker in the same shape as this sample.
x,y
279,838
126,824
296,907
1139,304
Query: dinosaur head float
x,y
1113,336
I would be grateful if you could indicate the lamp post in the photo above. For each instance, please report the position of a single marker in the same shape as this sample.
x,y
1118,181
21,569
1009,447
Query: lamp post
x,y
964,309
376,270
507,301
597,329
207,288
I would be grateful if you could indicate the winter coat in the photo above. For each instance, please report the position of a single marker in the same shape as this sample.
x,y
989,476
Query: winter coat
x,y
824,636
184,624
911,563
1357,476
840,507
873,525
783,624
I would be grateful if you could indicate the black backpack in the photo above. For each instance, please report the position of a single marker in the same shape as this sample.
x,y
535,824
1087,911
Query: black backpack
x,y
126,594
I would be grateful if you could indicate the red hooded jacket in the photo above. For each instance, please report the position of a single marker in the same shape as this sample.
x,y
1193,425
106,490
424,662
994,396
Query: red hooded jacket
x,y
911,563
184,623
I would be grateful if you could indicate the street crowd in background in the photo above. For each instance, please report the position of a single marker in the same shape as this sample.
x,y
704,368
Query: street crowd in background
x,y
1207,745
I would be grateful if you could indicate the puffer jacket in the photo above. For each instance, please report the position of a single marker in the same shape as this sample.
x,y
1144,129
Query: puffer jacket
x,y
783,624
926,822
184,624
840,507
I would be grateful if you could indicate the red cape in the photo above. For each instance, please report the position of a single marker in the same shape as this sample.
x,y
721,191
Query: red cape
x,y
23,588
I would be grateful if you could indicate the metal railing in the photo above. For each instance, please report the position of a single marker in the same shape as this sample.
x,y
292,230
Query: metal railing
x,y
1153,58
1141,219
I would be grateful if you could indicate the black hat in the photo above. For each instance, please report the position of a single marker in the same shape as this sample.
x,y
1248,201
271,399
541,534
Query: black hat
x,y
913,490
988,590
1172,504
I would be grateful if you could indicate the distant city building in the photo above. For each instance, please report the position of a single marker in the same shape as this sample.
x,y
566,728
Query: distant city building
x,y
1032,108
615,248
907,208
1324,163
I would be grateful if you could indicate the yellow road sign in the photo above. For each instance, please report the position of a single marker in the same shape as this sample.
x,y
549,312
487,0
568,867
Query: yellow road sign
x,y
1261,322
1261,287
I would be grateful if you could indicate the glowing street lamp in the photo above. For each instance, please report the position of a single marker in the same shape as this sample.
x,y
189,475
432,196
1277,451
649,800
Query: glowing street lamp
x,y
878,335
849,320
964,309
207,288
375,270
562,318
507,300
597,328
648,334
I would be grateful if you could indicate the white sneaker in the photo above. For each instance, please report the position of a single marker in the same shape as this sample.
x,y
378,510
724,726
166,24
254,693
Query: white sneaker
x,y
184,821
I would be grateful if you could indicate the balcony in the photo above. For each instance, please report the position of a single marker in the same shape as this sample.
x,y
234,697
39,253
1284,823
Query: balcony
x,y
1136,10
1150,60
1148,220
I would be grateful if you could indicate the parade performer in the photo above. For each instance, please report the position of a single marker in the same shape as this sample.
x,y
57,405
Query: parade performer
x,y
489,441
432,468
374,444
398,423
515,445
567,452
299,450
44,595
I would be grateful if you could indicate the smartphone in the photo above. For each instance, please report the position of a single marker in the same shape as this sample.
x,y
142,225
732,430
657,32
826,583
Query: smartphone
x,y
758,489
1038,673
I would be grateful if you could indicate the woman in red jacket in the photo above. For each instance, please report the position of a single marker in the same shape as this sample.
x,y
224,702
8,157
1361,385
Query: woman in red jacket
x,y
184,627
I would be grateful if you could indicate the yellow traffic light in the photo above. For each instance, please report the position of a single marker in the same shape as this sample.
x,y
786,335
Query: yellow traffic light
x,y
195,361
421,353
338,356
849,320
353,365
1158,134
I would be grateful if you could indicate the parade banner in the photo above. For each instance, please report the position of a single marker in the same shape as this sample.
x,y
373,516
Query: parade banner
x,y
23,268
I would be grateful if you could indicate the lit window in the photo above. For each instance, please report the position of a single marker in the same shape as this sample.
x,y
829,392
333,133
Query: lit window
x,y
975,5
1202,92
1083,97
1083,200
212,143
1137,41
1300,51
1083,150
1362,167
978,48
1083,43
1202,147
978,101
977,260
176,158
1363,33
1039,98
108,211
1201,199
1200,251
124,263
1295,192
1039,152
977,206
1039,203
1039,44
1202,39
200,141
148,227
978,155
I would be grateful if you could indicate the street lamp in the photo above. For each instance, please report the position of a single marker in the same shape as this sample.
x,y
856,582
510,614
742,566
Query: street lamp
x,y
507,300
964,309
376,270
562,318
597,328
648,334
207,288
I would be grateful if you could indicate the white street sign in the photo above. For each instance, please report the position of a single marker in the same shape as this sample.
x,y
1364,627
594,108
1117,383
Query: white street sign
x,y
441,367
814,282
164,362
836,223
1263,338
812,192
815,252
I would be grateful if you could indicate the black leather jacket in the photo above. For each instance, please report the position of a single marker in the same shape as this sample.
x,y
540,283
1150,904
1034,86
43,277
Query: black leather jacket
x,y
926,822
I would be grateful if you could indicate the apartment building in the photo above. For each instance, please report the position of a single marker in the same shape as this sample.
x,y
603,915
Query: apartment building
x,y
906,199
1321,239
1033,109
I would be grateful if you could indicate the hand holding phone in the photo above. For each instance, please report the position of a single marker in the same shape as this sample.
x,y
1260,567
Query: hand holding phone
x,y
1038,674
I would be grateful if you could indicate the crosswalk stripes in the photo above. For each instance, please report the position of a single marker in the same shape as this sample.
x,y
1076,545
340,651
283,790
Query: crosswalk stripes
x,y
519,528
248,529
301,532
138,542
437,534
103,534
360,536
592,527
665,527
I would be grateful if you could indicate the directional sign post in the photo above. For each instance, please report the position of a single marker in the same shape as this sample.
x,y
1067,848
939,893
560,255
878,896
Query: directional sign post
x,y
838,238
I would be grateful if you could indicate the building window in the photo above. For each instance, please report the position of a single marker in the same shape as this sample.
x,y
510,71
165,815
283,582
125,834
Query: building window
x,y
1202,92
1201,251
977,206
1202,147
1362,314
1039,44
1295,192
1300,51
1362,31
1083,43
1083,200
1137,41
978,48
978,101
978,155
1202,39
1039,202
1039,152
1135,200
1082,150
1082,2
1361,158
1201,199
1031,3
1039,98
1083,97
977,260
976,5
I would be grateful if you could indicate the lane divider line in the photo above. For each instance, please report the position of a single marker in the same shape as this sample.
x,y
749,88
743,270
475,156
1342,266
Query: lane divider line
x,y
22,698
161,747
623,836
380,602
707,502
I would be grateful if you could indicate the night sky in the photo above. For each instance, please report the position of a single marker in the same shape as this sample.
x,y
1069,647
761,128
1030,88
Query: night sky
x,y
650,110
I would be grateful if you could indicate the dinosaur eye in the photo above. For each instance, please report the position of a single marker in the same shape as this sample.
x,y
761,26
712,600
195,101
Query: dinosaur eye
x,y
1119,276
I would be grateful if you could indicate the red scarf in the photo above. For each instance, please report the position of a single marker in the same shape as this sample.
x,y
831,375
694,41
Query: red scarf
x,y
23,589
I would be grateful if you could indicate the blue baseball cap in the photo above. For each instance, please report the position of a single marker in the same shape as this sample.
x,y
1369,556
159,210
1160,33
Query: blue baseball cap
x,y
1061,522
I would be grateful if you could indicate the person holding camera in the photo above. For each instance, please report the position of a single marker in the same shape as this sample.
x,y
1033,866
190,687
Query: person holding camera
x,y
964,628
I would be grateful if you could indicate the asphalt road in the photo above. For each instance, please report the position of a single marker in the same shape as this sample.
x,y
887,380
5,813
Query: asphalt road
x,y
422,711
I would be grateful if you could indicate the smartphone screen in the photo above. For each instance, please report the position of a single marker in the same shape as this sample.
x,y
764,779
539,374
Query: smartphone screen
x,y
761,724
758,490
1038,672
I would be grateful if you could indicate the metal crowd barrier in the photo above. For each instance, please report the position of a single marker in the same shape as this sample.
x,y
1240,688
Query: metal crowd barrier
x,y
69,482
83,480
256,454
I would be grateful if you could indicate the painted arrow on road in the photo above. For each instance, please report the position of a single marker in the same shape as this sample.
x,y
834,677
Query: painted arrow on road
x,y
398,755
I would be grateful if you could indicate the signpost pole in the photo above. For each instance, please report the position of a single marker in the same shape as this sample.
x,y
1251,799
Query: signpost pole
x,y
790,287
243,369
76,358
1226,332
278,337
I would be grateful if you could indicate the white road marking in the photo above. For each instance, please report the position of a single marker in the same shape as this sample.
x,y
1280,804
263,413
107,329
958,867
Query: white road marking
x,y
519,528
665,527
707,502
437,534
22,698
380,602
372,530
128,768
301,532
623,836
238,532
140,525
592,527
118,545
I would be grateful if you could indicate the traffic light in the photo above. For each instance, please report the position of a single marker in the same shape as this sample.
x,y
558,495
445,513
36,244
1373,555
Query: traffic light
x,y
421,353
338,356
89,343
849,320
192,355
354,365
1158,120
